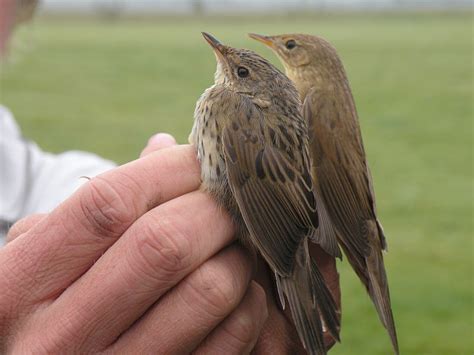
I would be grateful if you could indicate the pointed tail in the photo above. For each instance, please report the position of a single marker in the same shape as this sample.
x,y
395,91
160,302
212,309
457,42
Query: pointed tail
x,y
310,301
378,285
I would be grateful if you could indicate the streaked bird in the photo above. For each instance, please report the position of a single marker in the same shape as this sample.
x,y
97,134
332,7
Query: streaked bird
x,y
340,168
252,143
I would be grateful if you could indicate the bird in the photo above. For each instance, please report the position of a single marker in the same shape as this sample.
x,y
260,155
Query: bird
x,y
339,166
252,145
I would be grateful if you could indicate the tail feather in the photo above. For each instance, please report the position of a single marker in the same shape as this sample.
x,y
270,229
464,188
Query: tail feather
x,y
379,292
371,272
309,299
307,321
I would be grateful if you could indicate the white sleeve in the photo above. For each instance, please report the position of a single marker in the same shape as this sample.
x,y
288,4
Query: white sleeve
x,y
33,181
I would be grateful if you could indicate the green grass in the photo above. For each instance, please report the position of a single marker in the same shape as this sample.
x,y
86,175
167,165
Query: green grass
x,y
106,87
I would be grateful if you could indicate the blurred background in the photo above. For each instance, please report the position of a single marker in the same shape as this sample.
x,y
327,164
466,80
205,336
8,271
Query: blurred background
x,y
103,76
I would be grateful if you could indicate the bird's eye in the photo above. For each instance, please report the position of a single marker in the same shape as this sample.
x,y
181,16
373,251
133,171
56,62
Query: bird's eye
x,y
290,44
242,72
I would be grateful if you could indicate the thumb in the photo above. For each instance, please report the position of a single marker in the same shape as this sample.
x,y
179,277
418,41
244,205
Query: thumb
x,y
157,142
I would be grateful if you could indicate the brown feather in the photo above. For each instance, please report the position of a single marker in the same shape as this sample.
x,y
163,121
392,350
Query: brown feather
x,y
253,132
342,175
340,169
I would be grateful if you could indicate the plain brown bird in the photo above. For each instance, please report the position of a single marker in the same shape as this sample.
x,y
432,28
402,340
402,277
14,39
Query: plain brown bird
x,y
252,143
340,168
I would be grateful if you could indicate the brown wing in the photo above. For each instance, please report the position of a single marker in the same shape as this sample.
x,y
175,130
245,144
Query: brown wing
x,y
341,170
346,187
274,192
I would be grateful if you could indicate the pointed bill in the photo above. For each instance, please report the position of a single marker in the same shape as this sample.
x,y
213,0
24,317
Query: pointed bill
x,y
218,47
266,40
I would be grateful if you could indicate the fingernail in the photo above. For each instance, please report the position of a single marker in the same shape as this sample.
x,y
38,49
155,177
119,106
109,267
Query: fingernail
x,y
162,139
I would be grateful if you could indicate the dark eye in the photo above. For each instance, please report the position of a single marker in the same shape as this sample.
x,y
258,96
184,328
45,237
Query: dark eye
x,y
242,72
290,44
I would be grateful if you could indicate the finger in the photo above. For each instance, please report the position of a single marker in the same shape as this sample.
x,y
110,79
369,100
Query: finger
x,y
78,232
157,252
23,226
327,265
189,312
278,335
239,332
157,142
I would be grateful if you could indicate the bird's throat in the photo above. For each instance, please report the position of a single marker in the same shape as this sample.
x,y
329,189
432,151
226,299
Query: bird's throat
x,y
308,77
304,79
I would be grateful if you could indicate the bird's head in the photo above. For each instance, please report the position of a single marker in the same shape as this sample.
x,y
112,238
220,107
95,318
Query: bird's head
x,y
307,59
246,72
294,50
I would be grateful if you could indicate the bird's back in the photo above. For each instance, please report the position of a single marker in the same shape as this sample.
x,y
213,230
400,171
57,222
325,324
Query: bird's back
x,y
343,179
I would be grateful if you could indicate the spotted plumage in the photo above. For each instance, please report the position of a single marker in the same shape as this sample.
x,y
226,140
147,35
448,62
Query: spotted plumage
x,y
258,174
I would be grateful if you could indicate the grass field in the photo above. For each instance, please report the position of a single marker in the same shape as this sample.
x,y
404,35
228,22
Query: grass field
x,y
106,87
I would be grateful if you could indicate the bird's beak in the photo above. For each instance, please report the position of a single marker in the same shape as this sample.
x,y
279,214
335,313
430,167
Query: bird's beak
x,y
218,47
266,40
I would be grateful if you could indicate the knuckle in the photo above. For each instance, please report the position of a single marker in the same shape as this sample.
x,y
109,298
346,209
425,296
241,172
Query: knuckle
x,y
216,291
242,330
164,249
106,207
244,324
219,291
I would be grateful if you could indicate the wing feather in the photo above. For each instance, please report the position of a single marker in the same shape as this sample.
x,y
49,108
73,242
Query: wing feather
x,y
275,201
346,187
341,170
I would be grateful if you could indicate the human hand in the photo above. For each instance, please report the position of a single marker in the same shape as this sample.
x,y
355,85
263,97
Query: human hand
x,y
239,331
279,334
138,260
